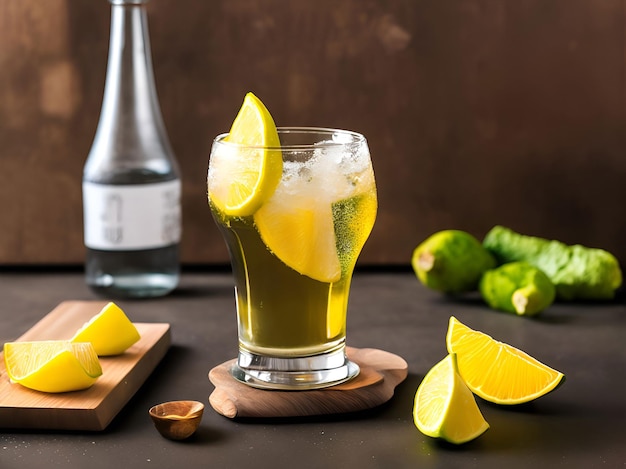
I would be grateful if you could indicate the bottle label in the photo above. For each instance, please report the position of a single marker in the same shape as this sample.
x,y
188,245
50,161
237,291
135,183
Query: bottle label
x,y
131,217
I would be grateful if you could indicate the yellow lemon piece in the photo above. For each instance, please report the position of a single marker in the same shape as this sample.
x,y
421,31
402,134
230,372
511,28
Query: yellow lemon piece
x,y
110,331
496,371
299,230
242,176
52,365
445,407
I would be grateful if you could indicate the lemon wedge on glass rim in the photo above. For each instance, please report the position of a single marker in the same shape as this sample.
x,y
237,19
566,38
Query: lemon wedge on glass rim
x,y
498,372
52,365
445,407
248,167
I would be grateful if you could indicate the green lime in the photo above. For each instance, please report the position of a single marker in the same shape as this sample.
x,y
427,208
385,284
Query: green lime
x,y
517,287
451,261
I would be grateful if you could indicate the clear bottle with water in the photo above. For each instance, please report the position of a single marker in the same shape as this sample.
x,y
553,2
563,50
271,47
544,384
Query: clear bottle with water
x,y
131,182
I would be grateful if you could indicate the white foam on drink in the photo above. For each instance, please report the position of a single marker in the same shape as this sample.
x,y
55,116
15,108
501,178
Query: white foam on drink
x,y
334,172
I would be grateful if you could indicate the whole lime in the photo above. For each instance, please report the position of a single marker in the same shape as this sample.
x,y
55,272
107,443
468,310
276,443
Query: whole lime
x,y
451,261
517,287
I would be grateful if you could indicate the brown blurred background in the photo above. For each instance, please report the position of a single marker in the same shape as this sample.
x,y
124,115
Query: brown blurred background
x,y
478,112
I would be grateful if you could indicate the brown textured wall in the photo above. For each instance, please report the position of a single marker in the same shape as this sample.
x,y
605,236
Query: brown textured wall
x,y
478,112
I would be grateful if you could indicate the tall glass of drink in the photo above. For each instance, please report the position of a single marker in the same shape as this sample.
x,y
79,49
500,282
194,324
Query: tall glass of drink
x,y
293,258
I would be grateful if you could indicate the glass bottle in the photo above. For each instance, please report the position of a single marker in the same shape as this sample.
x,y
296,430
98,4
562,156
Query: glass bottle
x,y
131,183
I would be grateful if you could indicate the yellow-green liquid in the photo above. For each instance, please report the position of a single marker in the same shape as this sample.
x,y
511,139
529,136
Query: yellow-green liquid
x,y
280,311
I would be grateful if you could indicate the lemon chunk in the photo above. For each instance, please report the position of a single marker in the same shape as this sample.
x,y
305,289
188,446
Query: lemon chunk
x,y
245,171
496,371
445,407
300,231
110,331
52,366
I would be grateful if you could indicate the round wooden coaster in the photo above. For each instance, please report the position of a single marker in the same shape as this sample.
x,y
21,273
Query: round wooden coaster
x,y
380,373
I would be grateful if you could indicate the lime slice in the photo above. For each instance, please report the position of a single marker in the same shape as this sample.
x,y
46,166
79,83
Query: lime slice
x,y
242,176
52,365
496,371
110,331
445,407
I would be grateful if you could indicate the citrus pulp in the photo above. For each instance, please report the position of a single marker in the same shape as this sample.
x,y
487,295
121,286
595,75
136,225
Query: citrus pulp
x,y
445,407
496,371
52,365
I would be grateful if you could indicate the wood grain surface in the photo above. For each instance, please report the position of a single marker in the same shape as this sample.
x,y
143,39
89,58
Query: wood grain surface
x,y
380,373
93,408
477,112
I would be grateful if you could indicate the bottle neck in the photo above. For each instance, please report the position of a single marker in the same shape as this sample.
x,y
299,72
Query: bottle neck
x,y
130,93
131,128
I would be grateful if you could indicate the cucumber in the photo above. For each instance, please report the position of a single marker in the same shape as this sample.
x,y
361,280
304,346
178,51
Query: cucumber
x,y
577,272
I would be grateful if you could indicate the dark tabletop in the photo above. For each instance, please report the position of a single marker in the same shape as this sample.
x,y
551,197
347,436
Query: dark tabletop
x,y
581,424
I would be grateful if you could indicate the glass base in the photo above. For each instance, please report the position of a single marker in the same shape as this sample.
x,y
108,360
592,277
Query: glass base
x,y
296,373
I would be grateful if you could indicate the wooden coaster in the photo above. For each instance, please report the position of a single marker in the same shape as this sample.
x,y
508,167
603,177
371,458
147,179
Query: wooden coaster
x,y
380,373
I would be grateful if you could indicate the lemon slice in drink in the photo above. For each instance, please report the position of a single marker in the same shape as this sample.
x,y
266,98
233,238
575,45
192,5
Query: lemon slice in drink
x,y
242,178
53,365
496,371
445,407
110,331
299,230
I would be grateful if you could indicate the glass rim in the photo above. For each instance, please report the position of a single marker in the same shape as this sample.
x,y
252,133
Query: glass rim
x,y
356,138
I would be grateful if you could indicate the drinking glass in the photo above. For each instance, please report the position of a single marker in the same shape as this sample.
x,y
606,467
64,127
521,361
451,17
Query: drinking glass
x,y
293,259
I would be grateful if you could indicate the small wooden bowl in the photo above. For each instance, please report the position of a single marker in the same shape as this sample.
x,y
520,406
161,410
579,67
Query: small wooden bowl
x,y
177,420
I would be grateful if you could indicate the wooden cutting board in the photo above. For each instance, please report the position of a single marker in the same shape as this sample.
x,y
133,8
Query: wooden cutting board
x,y
93,408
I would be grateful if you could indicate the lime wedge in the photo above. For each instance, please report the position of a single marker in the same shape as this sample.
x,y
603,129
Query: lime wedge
x,y
445,407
